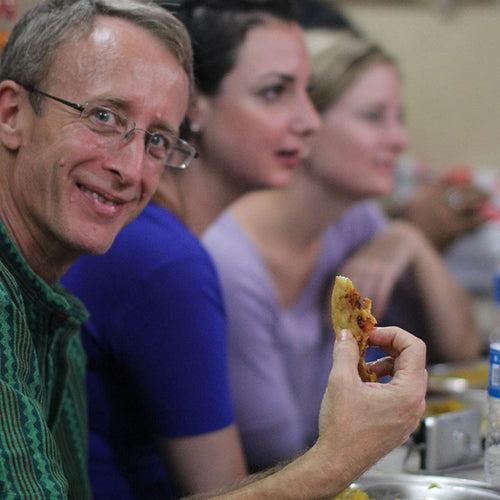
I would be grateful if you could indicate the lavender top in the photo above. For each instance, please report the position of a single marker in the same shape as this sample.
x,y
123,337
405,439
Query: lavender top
x,y
280,358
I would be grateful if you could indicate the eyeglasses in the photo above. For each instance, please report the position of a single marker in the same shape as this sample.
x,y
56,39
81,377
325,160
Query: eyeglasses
x,y
163,147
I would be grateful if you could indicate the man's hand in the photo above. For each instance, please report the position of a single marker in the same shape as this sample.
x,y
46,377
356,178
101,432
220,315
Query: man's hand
x,y
361,422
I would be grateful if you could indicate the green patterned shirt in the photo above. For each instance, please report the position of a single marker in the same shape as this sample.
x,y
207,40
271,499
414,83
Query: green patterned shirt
x,y
43,412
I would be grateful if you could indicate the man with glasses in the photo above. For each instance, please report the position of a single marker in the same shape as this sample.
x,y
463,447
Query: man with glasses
x,y
88,122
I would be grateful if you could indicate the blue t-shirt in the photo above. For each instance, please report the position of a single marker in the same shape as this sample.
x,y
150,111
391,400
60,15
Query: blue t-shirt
x,y
156,346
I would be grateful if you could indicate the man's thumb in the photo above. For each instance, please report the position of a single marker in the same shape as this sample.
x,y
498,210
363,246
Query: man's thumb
x,y
346,353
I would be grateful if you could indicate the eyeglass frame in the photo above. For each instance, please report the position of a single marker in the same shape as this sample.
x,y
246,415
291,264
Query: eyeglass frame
x,y
192,153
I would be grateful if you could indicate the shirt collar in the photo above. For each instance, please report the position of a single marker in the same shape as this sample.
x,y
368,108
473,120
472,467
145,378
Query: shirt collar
x,y
53,297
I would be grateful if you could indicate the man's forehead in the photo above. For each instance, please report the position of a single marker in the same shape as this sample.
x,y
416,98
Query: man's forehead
x,y
106,47
118,61
115,54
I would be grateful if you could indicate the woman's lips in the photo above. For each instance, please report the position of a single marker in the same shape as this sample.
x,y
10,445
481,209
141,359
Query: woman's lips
x,y
289,157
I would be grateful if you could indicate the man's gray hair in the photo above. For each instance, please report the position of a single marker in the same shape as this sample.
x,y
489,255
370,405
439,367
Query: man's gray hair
x,y
29,54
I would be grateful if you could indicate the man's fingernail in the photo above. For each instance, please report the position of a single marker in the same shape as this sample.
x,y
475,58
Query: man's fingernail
x,y
344,334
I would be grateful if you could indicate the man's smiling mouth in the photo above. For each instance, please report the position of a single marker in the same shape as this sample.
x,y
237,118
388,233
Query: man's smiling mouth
x,y
99,197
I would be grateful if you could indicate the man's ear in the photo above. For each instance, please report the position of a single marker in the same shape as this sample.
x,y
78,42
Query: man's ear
x,y
11,96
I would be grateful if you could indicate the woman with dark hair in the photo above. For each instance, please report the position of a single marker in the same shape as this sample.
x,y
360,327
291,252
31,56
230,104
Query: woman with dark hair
x,y
161,418
251,117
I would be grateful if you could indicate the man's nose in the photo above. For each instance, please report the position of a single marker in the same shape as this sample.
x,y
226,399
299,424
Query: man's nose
x,y
128,158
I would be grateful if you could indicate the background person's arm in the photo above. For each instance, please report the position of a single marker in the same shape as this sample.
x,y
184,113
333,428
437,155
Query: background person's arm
x,y
443,211
455,336
205,462
401,247
184,383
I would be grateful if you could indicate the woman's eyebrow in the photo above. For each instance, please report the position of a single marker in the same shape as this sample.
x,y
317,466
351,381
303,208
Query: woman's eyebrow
x,y
282,76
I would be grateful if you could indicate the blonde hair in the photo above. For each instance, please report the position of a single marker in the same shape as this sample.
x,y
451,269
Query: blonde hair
x,y
338,58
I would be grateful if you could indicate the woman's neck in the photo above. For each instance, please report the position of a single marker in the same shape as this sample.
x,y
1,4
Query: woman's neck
x,y
297,215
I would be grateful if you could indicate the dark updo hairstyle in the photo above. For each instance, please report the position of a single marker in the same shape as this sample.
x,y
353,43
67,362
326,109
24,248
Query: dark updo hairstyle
x,y
324,14
218,28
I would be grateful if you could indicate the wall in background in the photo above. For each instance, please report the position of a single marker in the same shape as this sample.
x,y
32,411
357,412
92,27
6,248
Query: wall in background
x,y
451,67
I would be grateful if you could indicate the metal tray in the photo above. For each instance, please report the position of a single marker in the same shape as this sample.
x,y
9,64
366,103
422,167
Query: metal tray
x,y
410,487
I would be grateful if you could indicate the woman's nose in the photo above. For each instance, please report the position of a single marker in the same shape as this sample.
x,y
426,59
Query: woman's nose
x,y
307,120
398,136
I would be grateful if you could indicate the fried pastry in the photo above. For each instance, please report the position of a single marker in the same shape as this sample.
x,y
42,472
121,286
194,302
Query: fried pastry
x,y
350,311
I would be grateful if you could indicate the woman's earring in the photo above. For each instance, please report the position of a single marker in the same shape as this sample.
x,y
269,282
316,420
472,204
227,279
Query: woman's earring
x,y
194,127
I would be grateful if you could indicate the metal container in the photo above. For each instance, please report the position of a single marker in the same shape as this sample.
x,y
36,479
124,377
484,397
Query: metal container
x,y
451,440
410,487
463,382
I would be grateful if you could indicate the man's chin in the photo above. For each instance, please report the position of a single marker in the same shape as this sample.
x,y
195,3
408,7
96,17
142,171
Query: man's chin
x,y
101,247
93,247
96,240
